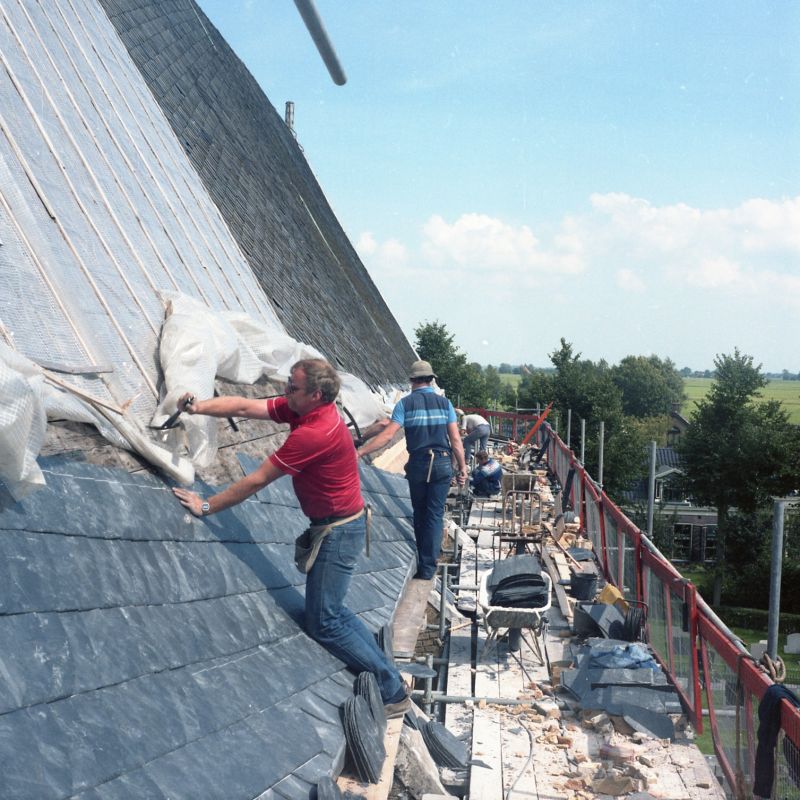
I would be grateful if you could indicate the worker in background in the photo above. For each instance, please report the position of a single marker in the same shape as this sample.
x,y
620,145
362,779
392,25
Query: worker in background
x,y
477,430
320,456
487,475
431,430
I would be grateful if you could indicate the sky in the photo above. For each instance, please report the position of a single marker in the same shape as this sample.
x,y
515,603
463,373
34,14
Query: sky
x,y
625,175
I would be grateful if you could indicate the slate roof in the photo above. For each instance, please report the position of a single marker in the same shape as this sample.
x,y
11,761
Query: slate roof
x,y
147,653
258,176
668,457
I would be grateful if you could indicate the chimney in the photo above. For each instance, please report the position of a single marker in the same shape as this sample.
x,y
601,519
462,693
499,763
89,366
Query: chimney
x,y
289,116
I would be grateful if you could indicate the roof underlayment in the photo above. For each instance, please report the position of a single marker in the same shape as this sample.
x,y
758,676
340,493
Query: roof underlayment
x,y
143,652
256,173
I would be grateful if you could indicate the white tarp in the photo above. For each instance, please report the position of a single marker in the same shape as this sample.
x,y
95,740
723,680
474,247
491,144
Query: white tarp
x,y
199,344
29,400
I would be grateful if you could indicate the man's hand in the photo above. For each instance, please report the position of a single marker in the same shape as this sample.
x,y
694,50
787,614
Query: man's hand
x,y
461,476
190,500
186,402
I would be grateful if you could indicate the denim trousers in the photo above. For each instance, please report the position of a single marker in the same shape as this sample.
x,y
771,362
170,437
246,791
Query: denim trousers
x,y
332,624
427,499
479,434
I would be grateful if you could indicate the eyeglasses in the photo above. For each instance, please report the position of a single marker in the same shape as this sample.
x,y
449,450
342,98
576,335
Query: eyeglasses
x,y
291,388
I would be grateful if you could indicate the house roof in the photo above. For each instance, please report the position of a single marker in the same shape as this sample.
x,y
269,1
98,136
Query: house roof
x,y
146,652
667,457
256,173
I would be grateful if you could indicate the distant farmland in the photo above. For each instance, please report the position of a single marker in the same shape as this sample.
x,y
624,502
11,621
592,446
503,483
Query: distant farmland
x,y
787,392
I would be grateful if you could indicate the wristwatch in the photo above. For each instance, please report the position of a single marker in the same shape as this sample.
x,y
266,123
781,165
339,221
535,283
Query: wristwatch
x,y
205,508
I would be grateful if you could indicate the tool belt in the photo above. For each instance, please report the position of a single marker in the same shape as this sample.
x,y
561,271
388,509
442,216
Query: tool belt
x,y
307,544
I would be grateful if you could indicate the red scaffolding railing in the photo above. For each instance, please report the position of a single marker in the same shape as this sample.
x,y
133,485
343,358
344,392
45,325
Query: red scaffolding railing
x,y
710,669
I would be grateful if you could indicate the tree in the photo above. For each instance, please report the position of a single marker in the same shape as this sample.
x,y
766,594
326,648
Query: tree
x,y
493,385
739,450
587,389
461,381
749,545
649,385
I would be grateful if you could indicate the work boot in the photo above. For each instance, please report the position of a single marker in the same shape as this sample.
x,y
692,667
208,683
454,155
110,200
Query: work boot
x,y
398,709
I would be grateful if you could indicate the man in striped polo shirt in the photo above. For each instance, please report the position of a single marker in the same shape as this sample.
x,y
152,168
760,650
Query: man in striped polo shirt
x,y
429,422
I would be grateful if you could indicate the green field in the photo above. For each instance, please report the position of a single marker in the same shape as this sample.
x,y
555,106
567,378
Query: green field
x,y
510,379
786,392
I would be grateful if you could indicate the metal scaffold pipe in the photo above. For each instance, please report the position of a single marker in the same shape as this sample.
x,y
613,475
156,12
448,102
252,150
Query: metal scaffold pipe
x,y
583,441
436,697
308,12
778,509
651,490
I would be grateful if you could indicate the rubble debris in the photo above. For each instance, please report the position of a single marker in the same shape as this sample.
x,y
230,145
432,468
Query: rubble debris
x,y
414,767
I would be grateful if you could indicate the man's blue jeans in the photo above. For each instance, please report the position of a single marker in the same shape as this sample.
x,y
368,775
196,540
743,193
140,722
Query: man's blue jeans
x,y
332,624
480,434
427,500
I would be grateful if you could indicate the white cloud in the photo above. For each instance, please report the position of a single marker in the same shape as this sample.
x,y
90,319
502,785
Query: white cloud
x,y
713,265
366,244
389,257
629,281
480,243
750,250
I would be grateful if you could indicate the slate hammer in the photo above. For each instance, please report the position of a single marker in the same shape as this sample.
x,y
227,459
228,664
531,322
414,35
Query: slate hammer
x,y
172,421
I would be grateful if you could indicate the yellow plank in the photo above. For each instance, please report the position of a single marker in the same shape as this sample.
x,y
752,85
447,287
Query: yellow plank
x,y
410,617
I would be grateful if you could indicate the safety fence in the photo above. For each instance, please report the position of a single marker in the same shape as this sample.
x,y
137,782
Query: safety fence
x,y
717,679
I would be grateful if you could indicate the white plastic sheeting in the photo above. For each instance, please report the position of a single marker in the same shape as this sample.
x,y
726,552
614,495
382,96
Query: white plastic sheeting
x,y
29,400
199,344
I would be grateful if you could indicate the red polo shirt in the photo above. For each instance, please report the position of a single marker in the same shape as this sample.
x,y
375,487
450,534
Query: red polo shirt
x,y
321,458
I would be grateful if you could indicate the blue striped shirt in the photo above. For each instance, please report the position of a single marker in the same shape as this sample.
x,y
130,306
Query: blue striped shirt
x,y
424,415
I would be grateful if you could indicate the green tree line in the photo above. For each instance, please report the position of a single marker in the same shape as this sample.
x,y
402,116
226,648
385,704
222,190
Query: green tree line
x,y
739,452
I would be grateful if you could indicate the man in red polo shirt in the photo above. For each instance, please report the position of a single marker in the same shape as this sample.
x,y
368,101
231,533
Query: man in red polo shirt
x,y
320,456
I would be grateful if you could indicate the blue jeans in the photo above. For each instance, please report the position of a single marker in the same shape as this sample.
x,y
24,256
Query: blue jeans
x,y
479,433
427,500
332,624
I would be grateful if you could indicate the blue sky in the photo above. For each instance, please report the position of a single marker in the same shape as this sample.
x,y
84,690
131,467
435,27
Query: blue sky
x,y
622,174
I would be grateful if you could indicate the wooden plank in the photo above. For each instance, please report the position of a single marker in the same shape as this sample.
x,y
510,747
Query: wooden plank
x,y
381,789
486,771
459,716
393,458
561,595
410,617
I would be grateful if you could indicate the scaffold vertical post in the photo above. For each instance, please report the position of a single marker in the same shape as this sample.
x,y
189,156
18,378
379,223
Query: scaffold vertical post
x,y
600,457
651,490
775,578
583,441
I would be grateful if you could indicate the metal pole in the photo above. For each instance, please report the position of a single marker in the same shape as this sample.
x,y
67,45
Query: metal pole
x,y
555,425
583,441
436,697
602,442
778,509
569,426
515,634
443,601
651,490
315,27
428,687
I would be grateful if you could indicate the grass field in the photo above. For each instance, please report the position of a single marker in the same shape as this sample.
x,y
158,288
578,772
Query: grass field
x,y
787,392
